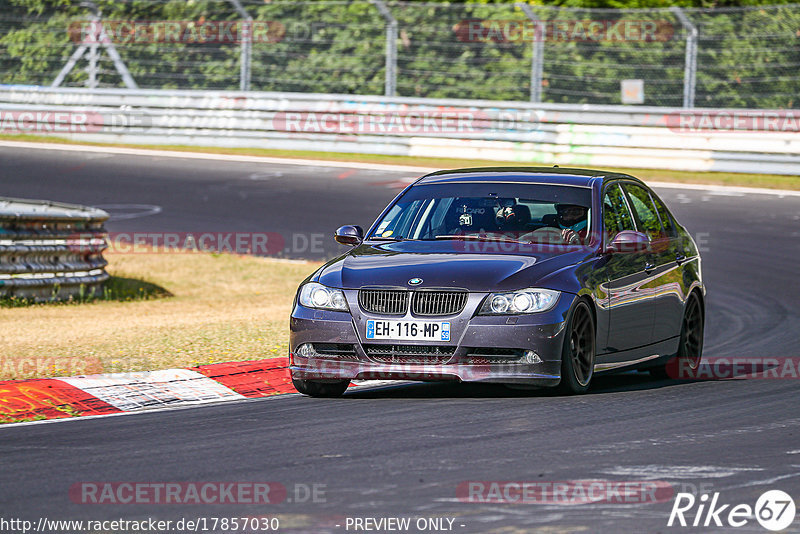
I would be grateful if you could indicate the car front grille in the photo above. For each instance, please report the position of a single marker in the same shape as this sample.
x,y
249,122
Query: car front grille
x,y
432,303
384,301
411,354
425,303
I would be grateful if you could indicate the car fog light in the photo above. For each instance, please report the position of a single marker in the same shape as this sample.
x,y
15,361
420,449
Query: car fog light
x,y
306,350
531,357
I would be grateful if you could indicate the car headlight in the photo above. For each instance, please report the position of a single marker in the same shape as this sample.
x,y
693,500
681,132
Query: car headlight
x,y
314,295
522,301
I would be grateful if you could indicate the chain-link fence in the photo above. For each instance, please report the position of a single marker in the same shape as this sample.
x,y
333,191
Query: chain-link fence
x,y
733,57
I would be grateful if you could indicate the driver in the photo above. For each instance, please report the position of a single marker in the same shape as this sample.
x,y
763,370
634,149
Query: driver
x,y
573,220
571,217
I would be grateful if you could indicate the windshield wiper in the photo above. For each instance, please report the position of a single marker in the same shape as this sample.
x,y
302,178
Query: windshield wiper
x,y
482,238
398,238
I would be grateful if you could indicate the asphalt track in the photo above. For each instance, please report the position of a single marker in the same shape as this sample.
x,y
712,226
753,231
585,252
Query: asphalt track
x,y
402,451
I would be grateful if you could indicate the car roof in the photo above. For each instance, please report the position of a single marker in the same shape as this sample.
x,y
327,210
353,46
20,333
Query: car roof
x,y
535,175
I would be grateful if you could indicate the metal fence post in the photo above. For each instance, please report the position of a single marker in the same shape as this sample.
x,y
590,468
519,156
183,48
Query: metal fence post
x,y
246,50
91,69
391,48
108,45
537,52
690,67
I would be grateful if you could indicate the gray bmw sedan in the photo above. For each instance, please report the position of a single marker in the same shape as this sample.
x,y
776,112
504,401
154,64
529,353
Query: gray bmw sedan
x,y
523,276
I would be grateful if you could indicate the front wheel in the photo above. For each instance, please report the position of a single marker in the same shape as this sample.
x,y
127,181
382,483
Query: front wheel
x,y
314,388
577,356
690,348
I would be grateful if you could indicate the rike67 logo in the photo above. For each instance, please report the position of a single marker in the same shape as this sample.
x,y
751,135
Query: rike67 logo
x,y
774,510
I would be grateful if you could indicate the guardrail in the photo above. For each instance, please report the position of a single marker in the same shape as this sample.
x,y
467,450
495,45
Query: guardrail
x,y
750,141
50,250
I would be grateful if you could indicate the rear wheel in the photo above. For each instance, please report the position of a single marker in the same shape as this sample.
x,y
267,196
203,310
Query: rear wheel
x,y
315,388
577,357
690,347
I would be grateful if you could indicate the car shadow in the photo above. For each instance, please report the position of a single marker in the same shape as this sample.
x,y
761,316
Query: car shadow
x,y
602,384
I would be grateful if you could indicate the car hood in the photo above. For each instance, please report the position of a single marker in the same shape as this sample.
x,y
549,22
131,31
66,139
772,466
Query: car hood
x,y
447,264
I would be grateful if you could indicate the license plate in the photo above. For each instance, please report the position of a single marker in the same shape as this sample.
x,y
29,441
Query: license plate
x,y
408,330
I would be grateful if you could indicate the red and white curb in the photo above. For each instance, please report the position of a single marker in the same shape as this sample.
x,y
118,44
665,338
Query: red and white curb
x,y
105,394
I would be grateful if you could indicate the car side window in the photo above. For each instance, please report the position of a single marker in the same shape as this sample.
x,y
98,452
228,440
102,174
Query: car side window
x,y
616,216
663,213
646,213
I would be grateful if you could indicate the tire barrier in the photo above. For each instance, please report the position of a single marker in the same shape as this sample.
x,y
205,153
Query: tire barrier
x,y
50,250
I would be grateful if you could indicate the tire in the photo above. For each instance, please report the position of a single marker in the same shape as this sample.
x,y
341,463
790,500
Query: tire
x,y
690,346
314,388
578,354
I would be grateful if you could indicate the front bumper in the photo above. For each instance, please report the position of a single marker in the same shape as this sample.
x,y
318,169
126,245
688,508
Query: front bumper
x,y
472,335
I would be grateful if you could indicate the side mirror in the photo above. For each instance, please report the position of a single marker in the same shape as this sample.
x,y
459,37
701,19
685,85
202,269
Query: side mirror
x,y
349,235
628,241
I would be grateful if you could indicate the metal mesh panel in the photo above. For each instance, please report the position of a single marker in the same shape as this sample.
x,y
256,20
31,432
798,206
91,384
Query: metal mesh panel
x,y
748,57
409,354
326,47
745,57
587,54
439,57
338,351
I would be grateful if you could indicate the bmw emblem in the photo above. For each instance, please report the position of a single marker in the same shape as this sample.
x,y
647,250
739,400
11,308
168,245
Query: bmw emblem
x,y
415,281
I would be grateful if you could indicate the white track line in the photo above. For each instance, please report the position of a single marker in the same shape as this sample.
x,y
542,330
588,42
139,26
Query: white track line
x,y
345,165
217,157
729,189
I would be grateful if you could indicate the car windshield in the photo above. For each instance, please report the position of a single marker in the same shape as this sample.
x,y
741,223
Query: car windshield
x,y
489,211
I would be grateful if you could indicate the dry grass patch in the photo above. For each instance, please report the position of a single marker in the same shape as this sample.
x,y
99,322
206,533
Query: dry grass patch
x,y
222,308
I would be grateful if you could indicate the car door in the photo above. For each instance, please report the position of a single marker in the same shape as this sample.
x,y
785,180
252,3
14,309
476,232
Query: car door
x,y
629,298
665,258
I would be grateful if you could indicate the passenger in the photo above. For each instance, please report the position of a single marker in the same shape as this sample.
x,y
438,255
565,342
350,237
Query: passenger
x,y
514,219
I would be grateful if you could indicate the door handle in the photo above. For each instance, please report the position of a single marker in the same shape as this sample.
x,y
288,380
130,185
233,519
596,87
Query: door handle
x,y
648,267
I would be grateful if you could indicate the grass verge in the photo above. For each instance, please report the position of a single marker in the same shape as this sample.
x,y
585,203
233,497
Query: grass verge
x,y
208,308
769,181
